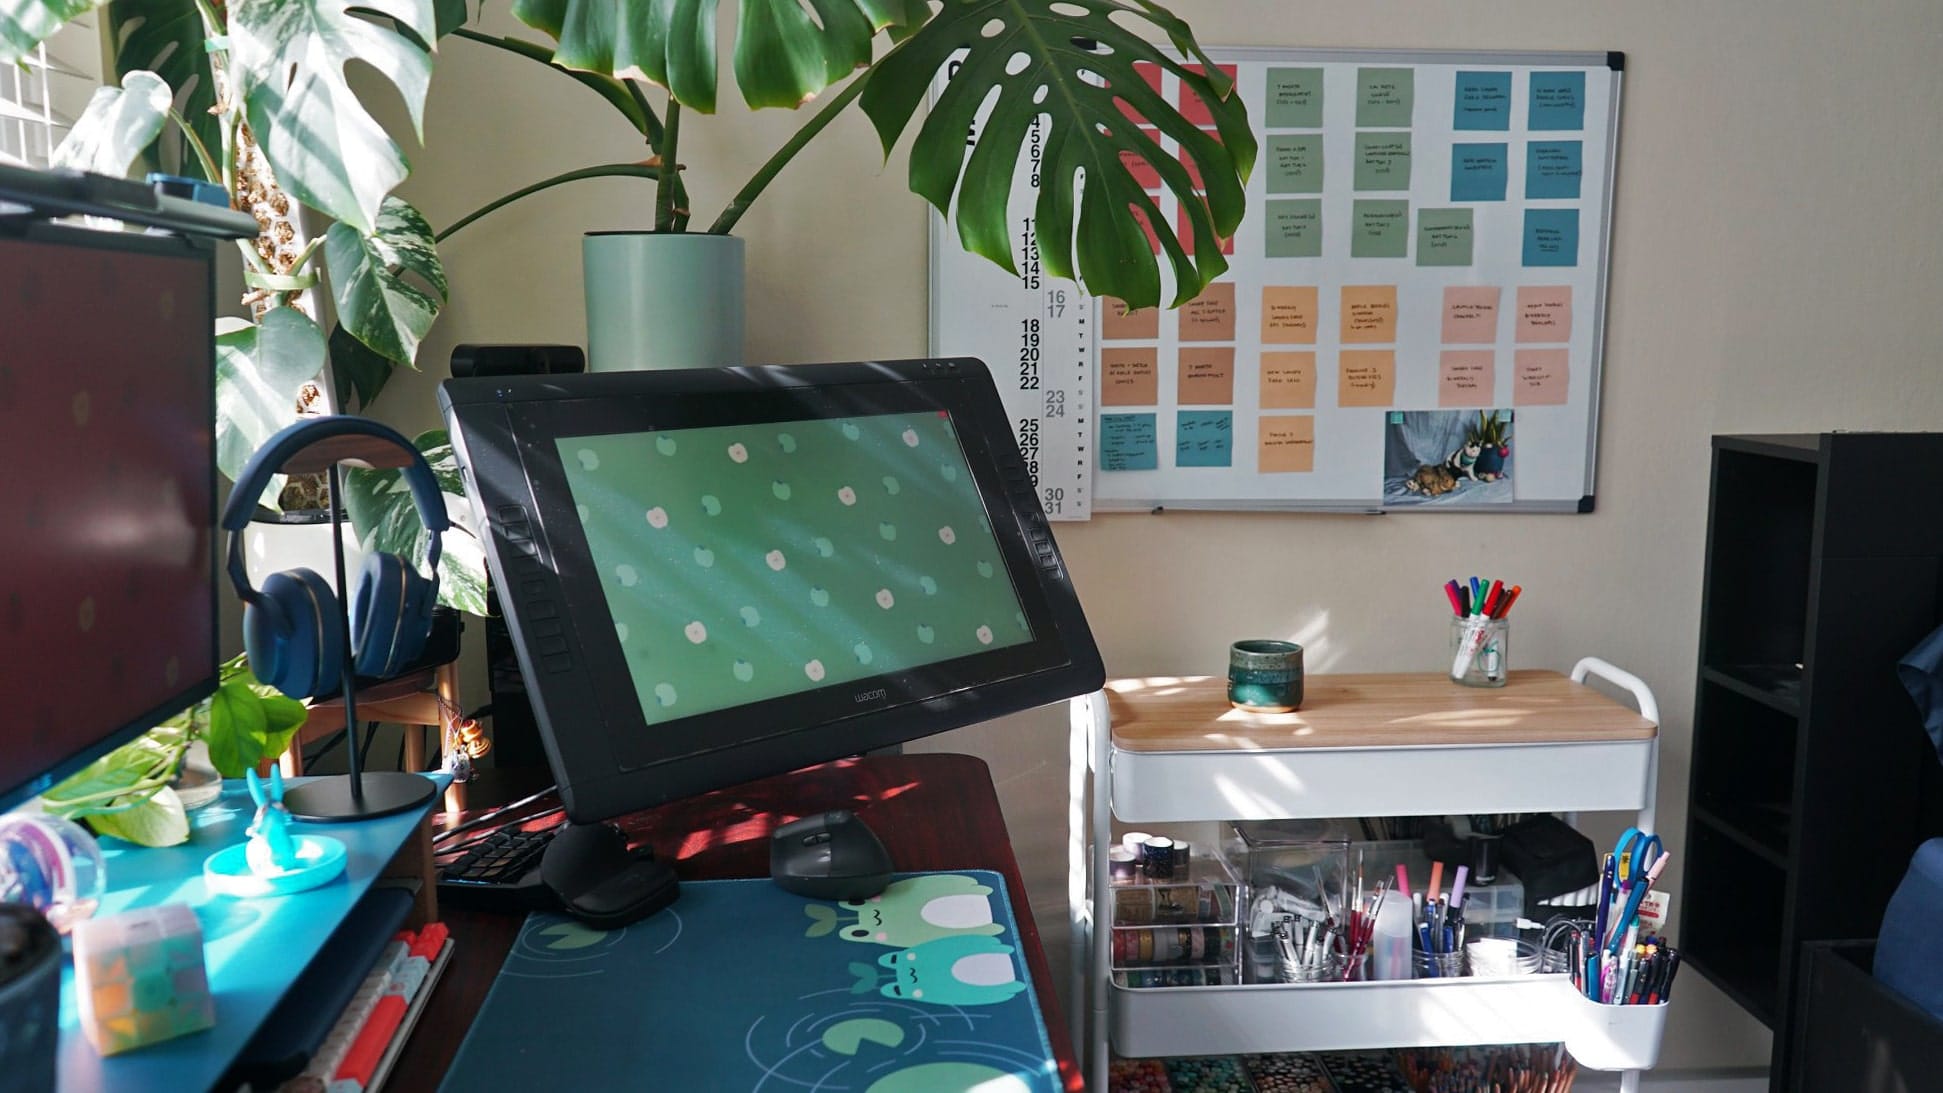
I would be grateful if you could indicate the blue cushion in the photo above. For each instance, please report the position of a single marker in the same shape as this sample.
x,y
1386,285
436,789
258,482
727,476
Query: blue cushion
x,y
1909,953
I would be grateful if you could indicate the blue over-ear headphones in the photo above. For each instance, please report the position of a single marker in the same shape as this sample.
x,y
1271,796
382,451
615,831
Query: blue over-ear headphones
x,y
290,626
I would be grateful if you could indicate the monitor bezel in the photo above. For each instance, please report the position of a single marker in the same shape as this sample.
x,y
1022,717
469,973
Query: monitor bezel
x,y
606,758
164,245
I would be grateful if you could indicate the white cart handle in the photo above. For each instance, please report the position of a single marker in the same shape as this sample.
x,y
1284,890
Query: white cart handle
x,y
1649,707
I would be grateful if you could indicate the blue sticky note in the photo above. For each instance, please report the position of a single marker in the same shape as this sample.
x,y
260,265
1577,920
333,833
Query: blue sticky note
x,y
1551,237
1127,443
1553,168
1483,101
1204,438
1557,101
1478,172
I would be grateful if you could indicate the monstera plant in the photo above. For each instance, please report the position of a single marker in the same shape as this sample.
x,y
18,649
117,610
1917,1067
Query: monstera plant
x,y
253,96
1072,68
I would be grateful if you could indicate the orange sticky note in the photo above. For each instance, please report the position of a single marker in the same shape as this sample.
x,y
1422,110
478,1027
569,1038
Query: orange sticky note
x,y
1210,317
1117,324
1545,313
1542,377
1289,381
1466,377
1471,315
1207,375
1286,444
1366,377
1129,377
1369,314
1289,315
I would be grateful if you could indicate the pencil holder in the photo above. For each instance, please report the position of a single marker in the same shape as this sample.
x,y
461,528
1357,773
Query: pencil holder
x,y
1437,965
1265,676
1496,957
1480,651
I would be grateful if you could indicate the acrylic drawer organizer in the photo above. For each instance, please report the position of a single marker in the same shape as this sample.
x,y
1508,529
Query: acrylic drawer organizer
x,y
1177,932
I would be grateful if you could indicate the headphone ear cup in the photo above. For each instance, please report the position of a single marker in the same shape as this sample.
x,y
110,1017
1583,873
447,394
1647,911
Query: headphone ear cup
x,y
391,615
290,634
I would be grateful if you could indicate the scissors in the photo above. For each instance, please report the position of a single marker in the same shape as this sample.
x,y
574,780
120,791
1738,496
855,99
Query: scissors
x,y
1635,853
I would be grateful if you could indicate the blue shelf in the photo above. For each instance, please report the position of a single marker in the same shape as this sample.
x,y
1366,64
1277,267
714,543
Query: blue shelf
x,y
254,948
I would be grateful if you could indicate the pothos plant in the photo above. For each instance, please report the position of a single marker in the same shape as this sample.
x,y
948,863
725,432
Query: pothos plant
x,y
253,95
126,793
1069,79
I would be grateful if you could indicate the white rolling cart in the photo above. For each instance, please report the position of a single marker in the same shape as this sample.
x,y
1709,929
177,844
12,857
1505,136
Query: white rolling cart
x,y
1171,750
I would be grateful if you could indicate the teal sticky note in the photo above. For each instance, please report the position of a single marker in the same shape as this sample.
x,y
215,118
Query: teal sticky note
x,y
1444,237
1483,101
1385,97
1204,438
1551,237
1294,229
1553,168
1380,229
1294,98
1127,443
1382,161
1295,163
1478,172
1557,101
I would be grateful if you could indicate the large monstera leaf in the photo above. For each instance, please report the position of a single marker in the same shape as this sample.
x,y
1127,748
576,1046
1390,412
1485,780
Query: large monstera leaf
x,y
166,37
259,369
381,506
783,55
1072,74
375,301
117,125
288,59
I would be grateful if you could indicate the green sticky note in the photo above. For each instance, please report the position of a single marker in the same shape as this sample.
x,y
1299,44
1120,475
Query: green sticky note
x,y
1382,161
1385,96
1379,229
1295,163
1294,98
1294,229
1444,237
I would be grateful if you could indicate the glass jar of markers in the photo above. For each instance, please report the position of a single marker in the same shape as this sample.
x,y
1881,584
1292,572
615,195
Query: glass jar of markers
x,y
1480,651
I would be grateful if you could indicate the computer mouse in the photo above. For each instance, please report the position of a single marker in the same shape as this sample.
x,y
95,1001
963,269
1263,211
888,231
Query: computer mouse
x,y
830,855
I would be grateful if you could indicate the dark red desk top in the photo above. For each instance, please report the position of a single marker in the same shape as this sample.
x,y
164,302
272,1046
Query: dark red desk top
x,y
933,811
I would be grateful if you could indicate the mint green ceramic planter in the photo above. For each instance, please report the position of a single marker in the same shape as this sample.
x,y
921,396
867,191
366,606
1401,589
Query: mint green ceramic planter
x,y
662,300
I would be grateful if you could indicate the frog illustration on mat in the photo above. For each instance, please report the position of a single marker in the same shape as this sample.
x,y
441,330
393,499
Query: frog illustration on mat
x,y
912,911
967,970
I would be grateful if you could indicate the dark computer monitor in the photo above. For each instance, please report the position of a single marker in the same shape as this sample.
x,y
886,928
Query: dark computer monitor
x,y
107,493
716,575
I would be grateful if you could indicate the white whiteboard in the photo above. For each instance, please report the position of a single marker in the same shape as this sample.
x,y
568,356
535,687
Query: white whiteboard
x,y
1317,335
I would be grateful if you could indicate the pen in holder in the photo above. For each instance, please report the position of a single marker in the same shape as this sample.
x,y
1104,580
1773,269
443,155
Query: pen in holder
x,y
1480,651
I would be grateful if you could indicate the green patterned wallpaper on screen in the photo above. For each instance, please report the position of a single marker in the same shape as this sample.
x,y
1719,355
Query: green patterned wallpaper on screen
x,y
746,562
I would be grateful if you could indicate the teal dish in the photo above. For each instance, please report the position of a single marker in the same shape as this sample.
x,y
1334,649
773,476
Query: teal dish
x,y
1265,675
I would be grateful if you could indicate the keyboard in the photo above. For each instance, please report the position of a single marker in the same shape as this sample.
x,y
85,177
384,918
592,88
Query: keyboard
x,y
501,873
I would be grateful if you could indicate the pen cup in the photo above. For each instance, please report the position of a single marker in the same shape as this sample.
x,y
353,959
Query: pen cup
x,y
1437,965
1480,651
1265,676
1497,957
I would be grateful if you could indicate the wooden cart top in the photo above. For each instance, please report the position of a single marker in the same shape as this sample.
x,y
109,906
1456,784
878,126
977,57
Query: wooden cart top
x,y
1416,709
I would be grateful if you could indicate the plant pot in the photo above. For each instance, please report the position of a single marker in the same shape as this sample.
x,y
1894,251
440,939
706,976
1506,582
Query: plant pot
x,y
1491,460
662,300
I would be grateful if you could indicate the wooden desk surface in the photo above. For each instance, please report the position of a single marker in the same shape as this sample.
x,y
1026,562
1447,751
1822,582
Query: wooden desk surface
x,y
1165,713
933,812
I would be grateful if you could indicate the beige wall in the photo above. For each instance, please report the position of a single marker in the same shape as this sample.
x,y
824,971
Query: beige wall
x,y
1774,268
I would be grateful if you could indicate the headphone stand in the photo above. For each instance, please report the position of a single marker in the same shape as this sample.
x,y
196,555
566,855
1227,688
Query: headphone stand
x,y
354,795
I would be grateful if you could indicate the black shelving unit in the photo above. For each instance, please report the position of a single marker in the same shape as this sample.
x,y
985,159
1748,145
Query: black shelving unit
x,y
1810,786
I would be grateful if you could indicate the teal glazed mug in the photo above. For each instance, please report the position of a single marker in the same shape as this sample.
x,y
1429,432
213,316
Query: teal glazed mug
x,y
1265,676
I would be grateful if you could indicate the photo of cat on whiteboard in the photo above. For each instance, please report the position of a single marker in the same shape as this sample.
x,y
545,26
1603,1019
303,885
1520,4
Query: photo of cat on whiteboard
x,y
1447,457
